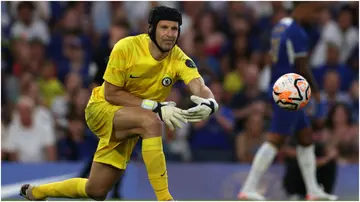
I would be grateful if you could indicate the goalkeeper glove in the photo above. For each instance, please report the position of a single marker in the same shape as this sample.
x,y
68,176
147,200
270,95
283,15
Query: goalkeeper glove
x,y
167,112
204,108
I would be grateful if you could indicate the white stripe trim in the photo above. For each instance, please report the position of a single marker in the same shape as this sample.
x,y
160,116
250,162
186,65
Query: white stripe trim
x,y
301,54
13,189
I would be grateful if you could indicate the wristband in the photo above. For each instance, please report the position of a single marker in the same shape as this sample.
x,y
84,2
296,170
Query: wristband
x,y
149,104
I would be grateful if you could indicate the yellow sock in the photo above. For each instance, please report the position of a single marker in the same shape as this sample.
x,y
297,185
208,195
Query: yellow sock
x,y
154,159
71,188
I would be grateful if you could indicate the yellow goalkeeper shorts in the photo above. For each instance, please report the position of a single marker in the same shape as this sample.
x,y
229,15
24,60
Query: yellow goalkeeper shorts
x,y
99,117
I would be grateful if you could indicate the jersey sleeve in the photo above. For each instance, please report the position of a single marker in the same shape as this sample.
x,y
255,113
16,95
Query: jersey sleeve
x,y
299,42
186,70
115,72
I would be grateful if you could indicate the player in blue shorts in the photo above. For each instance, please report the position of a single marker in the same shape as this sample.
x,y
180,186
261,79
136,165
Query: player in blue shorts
x,y
289,47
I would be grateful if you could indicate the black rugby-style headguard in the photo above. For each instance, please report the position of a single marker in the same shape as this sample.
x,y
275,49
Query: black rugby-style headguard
x,y
162,13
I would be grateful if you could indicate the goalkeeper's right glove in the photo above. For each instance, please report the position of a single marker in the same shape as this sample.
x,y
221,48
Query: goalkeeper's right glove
x,y
167,111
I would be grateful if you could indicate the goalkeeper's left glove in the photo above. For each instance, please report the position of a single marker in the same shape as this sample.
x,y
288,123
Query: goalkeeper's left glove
x,y
167,112
204,108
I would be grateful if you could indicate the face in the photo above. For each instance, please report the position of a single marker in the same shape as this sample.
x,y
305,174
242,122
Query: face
x,y
72,82
251,74
25,14
255,124
240,25
332,54
71,20
37,51
82,98
340,115
331,82
166,34
345,19
241,44
118,32
207,24
76,128
312,12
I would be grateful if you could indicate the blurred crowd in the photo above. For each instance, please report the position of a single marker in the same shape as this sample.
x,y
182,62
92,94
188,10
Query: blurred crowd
x,y
54,53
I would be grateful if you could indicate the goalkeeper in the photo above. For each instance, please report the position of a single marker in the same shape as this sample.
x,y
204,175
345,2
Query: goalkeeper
x,y
139,76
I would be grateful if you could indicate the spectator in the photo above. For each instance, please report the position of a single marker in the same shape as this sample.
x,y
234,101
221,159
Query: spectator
x,y
211,138
250,99
29,140
341,33
20,60
78,103
119,29
208,27
329,97
41,9
76,145
27,26
354,94
74,51
333,64
61,104
250,139
208,66
343,133
233,81
49,84
348,32
37,55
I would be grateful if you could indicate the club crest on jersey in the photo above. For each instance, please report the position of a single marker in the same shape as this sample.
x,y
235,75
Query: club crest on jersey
x,y
189,63
166,81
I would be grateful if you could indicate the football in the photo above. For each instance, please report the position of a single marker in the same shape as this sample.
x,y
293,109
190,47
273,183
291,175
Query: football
x,y
291,91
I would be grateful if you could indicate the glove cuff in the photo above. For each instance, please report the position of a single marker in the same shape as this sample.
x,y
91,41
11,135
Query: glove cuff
x,y
213,105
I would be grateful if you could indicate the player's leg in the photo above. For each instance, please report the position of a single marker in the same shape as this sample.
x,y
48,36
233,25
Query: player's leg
x,y
280,127
102,174
136,120
102,178
262,160
307,161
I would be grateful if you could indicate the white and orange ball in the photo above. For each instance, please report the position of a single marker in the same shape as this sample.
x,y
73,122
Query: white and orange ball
x,y
291,91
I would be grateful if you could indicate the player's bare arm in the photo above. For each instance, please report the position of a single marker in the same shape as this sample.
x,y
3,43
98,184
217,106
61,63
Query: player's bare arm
x,y
301,64
197,87
204,98
117,96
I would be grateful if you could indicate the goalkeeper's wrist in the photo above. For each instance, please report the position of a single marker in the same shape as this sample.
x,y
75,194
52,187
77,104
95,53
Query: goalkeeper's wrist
x,y
213,105
149,104
153,106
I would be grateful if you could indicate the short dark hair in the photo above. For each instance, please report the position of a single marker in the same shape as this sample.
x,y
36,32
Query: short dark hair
x,y
297,3
329,122
26,4
199,39
119,22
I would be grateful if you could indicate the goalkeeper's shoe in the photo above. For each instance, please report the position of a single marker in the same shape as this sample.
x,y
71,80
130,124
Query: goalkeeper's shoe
x,y
250,196
25,191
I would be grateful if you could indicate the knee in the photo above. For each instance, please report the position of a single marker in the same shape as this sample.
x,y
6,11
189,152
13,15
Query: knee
x,y
152,125
305,140
275,139
95,192
305,137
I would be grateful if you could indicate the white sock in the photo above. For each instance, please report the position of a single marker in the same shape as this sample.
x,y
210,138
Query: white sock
x,y
307,163
263,158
